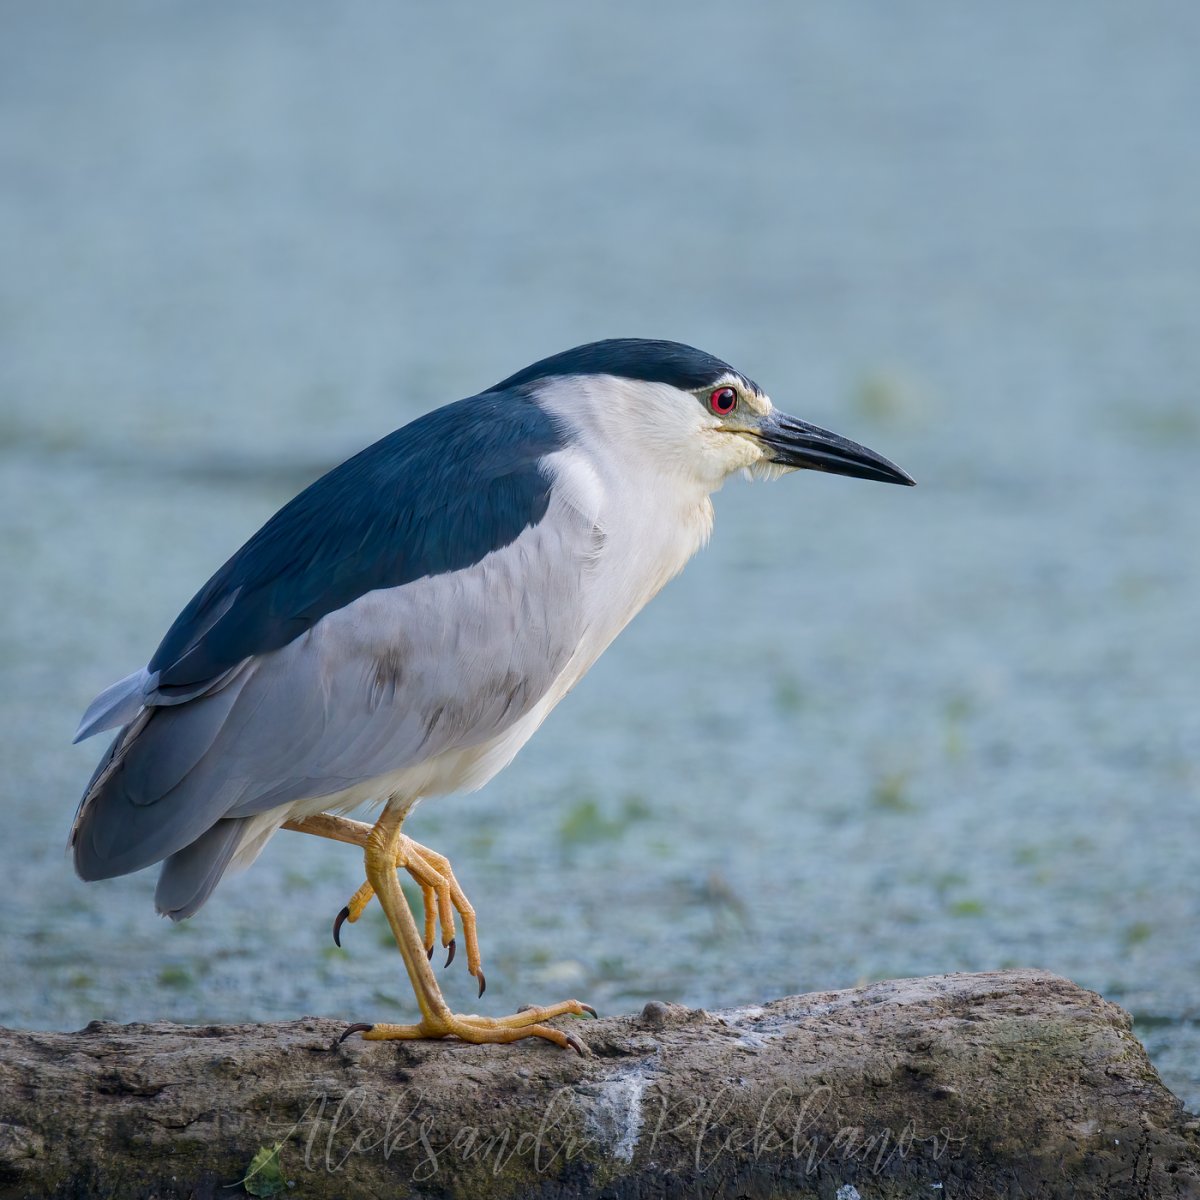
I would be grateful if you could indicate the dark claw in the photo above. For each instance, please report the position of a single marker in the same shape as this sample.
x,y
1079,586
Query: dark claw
x,y
360,1028
587,1008
450,955
429,952
576,1045
482,981
338,921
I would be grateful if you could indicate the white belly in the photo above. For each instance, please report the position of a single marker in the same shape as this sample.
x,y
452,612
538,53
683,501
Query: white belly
x,y
642,548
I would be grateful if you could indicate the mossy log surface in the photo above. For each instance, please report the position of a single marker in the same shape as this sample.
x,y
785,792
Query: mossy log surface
x,y
1014,1084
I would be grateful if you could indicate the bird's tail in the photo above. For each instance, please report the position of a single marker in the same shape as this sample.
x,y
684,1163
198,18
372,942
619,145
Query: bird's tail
x,y
151,800
118,704
189,875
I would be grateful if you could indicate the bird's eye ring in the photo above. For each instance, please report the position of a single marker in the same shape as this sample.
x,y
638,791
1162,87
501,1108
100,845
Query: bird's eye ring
x,y
723,401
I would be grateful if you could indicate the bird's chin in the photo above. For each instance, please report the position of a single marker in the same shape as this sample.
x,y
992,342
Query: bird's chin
x,y
766,470
726,452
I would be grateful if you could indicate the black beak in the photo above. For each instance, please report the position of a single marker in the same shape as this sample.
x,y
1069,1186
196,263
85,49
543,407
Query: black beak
x,y
807,447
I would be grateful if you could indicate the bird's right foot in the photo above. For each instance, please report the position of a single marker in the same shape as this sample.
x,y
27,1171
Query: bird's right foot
x,y
386,850
443,897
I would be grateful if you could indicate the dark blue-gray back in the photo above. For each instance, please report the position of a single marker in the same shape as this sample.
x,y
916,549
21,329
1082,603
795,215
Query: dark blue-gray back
x,y
434,496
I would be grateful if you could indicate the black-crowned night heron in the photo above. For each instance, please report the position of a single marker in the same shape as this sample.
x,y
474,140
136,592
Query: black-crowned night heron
x,y
401,628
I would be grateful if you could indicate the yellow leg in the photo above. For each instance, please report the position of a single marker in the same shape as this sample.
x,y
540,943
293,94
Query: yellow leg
x,y
442,894
383,849
386,851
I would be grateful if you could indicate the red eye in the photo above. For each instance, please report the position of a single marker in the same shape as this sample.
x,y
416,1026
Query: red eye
x,y
723,401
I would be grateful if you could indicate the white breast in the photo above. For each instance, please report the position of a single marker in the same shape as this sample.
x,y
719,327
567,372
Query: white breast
x,y
647,523
647,527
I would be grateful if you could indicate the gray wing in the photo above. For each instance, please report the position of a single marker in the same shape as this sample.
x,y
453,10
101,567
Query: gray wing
x,y
390,680
433,497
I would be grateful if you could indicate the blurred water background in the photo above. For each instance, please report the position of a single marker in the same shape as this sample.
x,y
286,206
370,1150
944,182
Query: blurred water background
x,y
869,732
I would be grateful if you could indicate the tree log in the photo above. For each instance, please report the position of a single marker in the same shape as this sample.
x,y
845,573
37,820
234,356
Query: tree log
x,y
1013,1083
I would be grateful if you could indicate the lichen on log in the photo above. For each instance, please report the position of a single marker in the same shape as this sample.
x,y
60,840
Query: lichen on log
x,y
1014,1083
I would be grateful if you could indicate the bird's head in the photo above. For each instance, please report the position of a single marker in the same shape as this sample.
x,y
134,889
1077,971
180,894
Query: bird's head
x,y
690,412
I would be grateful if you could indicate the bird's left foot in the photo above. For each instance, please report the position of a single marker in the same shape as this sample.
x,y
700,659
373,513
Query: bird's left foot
x,y
387,850
529,1022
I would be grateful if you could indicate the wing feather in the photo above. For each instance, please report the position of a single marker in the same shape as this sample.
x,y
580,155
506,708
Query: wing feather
x,y
390,680
433,497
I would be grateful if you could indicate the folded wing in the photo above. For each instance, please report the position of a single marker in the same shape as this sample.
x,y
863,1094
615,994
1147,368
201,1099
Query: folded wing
x,y
419,598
